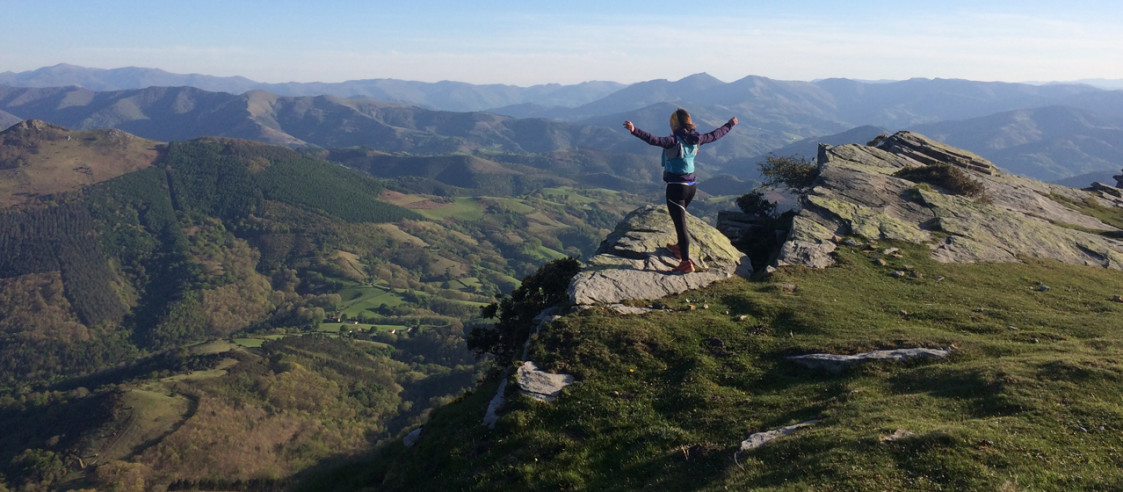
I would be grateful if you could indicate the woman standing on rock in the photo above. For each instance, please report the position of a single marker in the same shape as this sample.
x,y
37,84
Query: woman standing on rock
x,y
679,150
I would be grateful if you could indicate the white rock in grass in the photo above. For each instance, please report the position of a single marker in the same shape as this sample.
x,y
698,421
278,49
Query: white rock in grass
x,y
836,363
761,438
541,385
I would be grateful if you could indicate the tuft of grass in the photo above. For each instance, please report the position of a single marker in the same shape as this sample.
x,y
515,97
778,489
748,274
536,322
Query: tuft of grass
x,y
950,178
1029,398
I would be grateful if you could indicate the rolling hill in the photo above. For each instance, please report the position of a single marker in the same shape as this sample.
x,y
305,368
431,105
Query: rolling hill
x,y
208,312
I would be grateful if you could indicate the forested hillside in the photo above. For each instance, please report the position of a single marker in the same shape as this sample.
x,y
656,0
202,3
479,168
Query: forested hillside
x,y
236,292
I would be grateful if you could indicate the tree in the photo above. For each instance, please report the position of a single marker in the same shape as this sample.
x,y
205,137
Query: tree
x,y
544,288
792,171
38,466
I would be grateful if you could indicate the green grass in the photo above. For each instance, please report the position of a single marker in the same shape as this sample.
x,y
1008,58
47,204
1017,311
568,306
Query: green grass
x,y
1029,400
335,327
567,195
256,341
361,298
1108,215
551,254
250,342
462,208
465,283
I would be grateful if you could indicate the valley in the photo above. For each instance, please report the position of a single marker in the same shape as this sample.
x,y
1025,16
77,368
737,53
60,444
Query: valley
x,y
242,289
244,312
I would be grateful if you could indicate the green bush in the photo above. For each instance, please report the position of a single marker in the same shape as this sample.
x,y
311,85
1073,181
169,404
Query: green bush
x,y
952,179
792,171
516,313
754,203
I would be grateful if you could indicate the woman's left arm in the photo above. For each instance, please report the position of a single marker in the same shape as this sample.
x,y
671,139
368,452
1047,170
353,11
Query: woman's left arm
x,y
719,132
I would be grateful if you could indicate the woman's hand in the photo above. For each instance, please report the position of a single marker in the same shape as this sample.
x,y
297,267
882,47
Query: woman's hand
x,y
733,121
629,126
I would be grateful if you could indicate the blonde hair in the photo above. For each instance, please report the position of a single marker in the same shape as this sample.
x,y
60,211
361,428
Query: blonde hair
x,y
680,119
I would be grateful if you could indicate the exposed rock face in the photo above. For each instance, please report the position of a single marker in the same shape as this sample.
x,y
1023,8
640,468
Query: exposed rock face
x,y
856,194
634,263
1118,180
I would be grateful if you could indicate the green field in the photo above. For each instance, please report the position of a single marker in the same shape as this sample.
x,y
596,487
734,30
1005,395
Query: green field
x,y
361,298
150,413
551,254
255,341
462,208
365,327
465,283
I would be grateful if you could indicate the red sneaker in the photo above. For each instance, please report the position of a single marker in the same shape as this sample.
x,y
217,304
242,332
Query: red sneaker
x,y
686,266
674,250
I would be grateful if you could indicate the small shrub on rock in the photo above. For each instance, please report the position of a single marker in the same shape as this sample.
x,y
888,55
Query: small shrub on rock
x,y
950,178
791,171
754,203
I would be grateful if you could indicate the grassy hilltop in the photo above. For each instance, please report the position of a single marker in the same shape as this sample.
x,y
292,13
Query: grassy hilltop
x,y
1025,394
1028,400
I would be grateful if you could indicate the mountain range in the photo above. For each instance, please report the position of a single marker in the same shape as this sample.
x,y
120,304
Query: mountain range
x,y
447,95
188,308
1045,132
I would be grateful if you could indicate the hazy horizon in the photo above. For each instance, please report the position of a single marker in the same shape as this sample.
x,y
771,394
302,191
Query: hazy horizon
x,y
522,44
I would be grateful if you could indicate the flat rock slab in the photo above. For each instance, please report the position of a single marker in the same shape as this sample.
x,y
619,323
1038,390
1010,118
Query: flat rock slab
x,y
836,363
633,263
541,385
615,286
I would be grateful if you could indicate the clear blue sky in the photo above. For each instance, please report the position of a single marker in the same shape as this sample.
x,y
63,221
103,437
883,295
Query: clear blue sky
x,y
530,42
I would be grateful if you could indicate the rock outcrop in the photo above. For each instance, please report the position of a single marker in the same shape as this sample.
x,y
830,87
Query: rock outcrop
x,y
634,263
856,194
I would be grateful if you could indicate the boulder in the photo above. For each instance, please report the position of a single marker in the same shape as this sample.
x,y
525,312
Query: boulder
x,y
633,262
856,194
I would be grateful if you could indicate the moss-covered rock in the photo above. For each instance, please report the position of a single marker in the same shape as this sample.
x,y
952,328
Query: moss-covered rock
x,y
1014,218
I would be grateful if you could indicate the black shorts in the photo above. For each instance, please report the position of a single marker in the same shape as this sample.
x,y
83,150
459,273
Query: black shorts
x,y
681,194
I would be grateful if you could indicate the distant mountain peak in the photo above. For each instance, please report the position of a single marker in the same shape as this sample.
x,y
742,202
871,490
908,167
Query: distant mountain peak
x,y
33,127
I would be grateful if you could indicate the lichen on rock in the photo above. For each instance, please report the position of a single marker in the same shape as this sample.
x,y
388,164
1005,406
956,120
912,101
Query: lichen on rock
x,y
856,194
633,262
